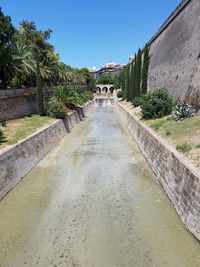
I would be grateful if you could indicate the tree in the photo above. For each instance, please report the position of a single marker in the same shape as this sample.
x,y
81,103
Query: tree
x,y
134,76
132,81
6,36
39,91
23,63
145,70
129,82
138,73
123,79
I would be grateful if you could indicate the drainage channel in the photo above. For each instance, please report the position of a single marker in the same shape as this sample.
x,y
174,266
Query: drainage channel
x,y
93,201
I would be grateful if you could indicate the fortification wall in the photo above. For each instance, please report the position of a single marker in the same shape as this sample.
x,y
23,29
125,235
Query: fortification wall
x,y
175,54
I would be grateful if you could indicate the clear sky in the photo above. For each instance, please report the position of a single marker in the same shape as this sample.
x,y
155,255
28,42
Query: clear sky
x,y
88,33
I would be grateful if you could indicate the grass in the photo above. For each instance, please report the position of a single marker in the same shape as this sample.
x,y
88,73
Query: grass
x,y
178,130
184,147
19,129
184,135
156,126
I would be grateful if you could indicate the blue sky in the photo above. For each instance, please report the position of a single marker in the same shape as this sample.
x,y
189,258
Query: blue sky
x,y
88,33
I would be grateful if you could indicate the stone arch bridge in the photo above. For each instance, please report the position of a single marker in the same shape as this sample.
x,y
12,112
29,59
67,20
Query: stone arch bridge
x,y
105,88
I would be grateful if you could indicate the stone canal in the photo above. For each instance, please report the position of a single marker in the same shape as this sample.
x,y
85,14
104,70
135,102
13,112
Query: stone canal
x,y
93,201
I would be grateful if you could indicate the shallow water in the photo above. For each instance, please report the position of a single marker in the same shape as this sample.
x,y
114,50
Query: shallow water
x,y
93,201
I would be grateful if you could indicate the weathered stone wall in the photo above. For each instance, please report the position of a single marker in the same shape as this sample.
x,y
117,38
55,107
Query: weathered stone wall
x,y
17,160
175,54
179,178
16,103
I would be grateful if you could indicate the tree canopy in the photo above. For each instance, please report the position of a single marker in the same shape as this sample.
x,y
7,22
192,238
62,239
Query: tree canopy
x,y
26,50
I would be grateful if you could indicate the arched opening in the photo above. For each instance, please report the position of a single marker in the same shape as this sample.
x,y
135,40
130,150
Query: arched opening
x,y
111,89
104,90
98,90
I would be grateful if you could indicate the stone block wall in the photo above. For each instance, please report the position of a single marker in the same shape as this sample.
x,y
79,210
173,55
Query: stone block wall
x,y
176,174
175,54
16,103
17,160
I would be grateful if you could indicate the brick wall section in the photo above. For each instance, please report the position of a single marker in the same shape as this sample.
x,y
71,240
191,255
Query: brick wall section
x,y
179,178
17,160
175,54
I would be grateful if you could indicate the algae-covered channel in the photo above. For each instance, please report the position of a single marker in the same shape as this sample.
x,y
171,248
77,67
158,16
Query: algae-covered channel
x,y
93,201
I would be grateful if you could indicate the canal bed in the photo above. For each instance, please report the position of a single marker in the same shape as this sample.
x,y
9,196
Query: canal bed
x,y
93,201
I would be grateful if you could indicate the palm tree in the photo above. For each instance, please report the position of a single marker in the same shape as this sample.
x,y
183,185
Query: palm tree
x,y
23,63
49,70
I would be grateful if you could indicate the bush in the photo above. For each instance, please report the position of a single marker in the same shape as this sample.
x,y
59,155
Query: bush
x,y
86,96
120,94
137,101
56,109
1,136
157,104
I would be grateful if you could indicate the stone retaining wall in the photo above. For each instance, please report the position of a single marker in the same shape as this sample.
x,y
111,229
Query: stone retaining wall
x,y
17,160
16,103
177,175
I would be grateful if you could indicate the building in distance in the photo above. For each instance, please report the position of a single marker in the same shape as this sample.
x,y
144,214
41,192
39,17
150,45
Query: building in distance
x,y
109,68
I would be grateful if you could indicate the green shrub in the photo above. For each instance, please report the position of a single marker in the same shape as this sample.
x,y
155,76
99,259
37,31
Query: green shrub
x,y
86,96
137,101
184,147
56,109
157,104
1,136
198,146
71,96
120,94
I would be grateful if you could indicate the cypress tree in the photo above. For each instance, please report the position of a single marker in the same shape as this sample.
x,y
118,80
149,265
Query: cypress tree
x,y
127,81
134,76
131,80
145,69
138,73
123,81
39,91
